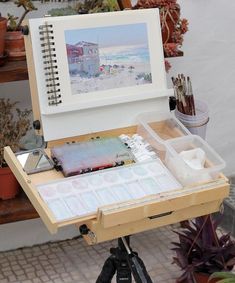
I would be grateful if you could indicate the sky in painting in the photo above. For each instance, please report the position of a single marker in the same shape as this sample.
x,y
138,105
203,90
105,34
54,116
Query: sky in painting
x,y
131,34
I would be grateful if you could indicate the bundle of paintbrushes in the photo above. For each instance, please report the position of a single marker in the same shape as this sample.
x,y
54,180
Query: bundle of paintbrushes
x,y
184,95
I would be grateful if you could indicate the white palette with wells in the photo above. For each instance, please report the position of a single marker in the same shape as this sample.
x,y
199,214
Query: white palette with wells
x,y
83,194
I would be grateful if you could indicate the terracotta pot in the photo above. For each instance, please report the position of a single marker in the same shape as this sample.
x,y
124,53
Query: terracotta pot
x,y
3,28
203,278
14,45
9,187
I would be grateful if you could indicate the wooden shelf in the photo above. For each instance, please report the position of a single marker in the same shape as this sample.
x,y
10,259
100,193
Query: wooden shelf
x,y
13,71
17,209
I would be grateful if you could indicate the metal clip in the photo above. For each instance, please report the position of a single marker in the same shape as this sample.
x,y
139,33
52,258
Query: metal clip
x,y
92,237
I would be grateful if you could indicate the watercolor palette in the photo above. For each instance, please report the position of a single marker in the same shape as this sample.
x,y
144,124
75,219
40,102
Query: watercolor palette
x,y
82,157
83,194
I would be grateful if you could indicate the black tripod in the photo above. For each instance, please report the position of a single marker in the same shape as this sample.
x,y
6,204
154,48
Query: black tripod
x,y
126,263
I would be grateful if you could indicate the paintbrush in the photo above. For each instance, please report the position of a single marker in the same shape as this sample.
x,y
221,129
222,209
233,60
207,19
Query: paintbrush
x,y
184,94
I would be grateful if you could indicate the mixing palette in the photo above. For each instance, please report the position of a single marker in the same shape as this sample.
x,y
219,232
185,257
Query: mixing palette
x,y
83,194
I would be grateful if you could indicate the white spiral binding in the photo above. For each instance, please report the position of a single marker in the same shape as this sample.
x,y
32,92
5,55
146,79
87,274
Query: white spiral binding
x,y
50,64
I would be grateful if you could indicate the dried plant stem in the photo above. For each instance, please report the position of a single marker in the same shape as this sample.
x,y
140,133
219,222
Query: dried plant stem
x,y
14,124
22,18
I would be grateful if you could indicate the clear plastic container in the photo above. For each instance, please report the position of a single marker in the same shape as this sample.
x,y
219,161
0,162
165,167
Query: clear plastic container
x,y
157,127
196,124
192,160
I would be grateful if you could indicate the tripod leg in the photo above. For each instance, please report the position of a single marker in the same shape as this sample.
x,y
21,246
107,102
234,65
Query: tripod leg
x,y
136,264
138,269
107,271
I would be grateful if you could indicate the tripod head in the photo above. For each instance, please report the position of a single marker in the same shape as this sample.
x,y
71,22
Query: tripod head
x,y
125,262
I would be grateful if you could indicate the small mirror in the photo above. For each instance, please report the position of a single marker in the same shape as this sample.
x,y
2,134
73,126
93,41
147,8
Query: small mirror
x,y
34,161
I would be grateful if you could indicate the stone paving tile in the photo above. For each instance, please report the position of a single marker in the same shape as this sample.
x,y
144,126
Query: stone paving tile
x,y
72,261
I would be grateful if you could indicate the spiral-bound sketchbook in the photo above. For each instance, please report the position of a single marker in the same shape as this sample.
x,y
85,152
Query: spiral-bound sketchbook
x,y
86,62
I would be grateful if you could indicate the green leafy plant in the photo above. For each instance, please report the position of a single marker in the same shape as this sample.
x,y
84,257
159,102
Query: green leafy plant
x,y
223,277
14,124
200,249
86,7
96,6
62,12
14,23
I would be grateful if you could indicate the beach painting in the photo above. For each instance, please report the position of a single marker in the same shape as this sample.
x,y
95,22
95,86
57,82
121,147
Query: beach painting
x,y
108,57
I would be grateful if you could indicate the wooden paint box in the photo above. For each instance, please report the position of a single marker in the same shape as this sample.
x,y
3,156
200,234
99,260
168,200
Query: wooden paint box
x,y
66,114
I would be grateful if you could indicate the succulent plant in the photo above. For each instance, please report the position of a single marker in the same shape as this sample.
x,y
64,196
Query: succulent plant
x,y
13,24
56,12
89,6
173,27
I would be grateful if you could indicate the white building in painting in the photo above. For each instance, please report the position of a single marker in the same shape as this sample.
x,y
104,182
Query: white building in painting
x,y
83,58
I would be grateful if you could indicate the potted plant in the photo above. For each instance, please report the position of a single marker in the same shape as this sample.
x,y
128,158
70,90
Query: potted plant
x,y
96,6
14,124
3,27
14,39
201,251
173,27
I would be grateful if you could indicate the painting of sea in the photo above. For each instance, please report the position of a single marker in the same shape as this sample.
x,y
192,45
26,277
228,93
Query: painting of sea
x,y
109,57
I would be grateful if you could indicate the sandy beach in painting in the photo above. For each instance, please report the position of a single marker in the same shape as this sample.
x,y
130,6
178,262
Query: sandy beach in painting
x,y
117,78
120,66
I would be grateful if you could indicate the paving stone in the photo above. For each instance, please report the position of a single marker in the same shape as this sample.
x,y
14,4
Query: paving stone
x,y
44,278
12,278
54,261
29,269
55,276
52,256
67,280
50,272
6,270
21,277
7,273
31,275
40,272
42,257
17,252
19,272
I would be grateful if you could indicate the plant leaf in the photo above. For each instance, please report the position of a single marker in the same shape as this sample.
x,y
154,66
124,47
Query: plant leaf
x,y
224,239
227,280
230,262
222,275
